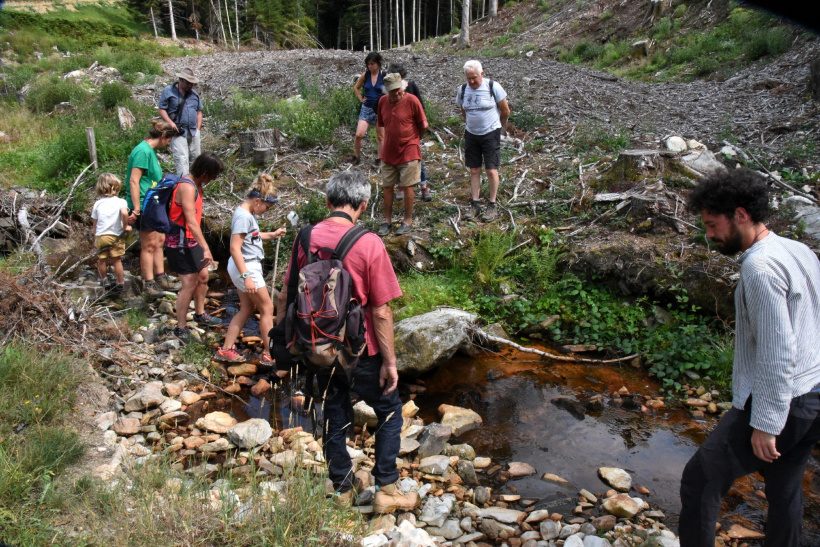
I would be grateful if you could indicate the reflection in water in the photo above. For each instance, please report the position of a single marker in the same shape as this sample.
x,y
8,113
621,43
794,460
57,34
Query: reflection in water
x,y
521,423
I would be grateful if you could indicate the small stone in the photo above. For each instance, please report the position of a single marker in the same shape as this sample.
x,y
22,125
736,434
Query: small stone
x,y
170,405
621,505
173,390
137,338
641,490
495,530
188,397
409,409
521,469
217,422
589,495
482,463
466,471
555,479
434,511
549,529
126,426
736,531
433,439
569,530
463,451
675,144
604,523
363,415
537,516
250,433
507,516
260,388
435,465
481,495
245,369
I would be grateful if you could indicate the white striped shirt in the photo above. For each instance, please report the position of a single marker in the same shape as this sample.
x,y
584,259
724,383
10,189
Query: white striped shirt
x,y
777,340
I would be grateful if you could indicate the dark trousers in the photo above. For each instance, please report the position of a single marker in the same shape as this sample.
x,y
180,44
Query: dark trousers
x,y
727,455
338,417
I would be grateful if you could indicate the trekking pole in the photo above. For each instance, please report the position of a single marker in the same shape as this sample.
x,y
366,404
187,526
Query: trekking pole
x,y
275,267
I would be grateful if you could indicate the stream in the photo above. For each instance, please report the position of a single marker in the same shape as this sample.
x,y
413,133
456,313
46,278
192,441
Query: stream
x,y
512,392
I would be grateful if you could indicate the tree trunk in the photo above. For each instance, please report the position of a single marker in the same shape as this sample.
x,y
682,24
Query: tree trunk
x,y
413,28
228,17
173,27
398,25
371,25
218,11
464,38
236,19
493,8
154,23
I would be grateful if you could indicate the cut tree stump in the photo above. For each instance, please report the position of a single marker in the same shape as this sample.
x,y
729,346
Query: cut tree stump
x,y
250,141
639,165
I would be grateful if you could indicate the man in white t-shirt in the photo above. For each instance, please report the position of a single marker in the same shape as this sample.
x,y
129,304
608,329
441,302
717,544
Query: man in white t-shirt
x,y
484,107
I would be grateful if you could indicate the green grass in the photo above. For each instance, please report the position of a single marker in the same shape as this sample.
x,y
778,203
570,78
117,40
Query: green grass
x,y
424,293
37,390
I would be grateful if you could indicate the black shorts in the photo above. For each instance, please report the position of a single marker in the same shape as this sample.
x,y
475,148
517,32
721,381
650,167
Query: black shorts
x,y
486,147
185,260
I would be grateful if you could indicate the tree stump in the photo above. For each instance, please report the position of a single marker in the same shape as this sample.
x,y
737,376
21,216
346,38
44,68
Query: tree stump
x,y
814,79
637,165
249,141
261,155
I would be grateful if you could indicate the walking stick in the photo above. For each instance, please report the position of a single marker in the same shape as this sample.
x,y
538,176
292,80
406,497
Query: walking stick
x,y
273,277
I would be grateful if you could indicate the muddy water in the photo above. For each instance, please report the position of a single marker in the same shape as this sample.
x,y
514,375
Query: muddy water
x,y
513,392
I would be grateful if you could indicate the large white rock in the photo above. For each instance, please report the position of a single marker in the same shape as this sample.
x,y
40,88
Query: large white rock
x,y
675,144
507,516
250,433
150,395
549,529
621,505
407,535
435,510
460,419
425,341
616,478
703,162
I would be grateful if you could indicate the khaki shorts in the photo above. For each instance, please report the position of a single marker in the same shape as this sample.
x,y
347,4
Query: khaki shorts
x,y
115,244
403,175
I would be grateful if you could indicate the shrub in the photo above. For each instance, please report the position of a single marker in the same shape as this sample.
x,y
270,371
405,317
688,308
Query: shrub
x,y
662,29
769,42
489,256
113,94
526,120
49,93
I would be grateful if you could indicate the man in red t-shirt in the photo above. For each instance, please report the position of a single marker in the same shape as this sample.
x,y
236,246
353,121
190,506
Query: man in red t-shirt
x,y
401,124
375,375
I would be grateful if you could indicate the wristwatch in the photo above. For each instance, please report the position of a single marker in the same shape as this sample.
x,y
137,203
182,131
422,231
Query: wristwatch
x,y
244,275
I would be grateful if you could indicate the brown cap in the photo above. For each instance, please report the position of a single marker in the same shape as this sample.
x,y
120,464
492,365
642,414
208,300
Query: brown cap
x,y
392,81
188,74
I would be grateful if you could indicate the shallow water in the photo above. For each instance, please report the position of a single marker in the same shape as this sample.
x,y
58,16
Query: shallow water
x,y
512,392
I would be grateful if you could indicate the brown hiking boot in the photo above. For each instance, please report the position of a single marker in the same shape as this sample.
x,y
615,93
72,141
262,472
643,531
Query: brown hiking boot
x,y
474,211
152,291
344,500
490,213
389,498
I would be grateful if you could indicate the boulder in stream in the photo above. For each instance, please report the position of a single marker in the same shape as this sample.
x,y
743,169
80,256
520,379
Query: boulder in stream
x,y
426,341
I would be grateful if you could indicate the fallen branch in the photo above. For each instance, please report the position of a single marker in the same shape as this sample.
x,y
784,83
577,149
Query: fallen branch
x,y
782,184
62,206
580,360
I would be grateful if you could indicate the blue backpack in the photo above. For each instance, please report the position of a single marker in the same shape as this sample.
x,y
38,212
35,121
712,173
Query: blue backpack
x,y
156,205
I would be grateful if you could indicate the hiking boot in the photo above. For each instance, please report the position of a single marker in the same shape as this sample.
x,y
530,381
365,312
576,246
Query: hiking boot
x,y
490,213
116,291
184,335
426,195
344,500
474,211
207,319
228,356
384,229
167,284
390,497
152,291
400,195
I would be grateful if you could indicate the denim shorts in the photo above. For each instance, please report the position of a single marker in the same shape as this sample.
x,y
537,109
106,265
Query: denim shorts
x,y
368,114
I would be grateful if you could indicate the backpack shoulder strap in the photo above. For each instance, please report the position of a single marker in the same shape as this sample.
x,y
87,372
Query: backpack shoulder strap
x,y
304,241
492,92
348,240
461,94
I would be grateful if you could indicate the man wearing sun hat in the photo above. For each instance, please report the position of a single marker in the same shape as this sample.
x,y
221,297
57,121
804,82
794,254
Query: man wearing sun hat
x,y
180,105
401,124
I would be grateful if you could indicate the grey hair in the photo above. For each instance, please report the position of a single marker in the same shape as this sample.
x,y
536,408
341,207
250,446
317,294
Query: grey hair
x,y
347,188
473,66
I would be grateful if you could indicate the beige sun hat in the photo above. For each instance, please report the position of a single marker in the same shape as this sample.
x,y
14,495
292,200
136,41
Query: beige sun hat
x,y
392,81
188,74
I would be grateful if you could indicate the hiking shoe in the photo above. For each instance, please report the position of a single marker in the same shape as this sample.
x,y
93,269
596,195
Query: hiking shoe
x,y
400,195
384,229
343,500
152,290
228,356
403,229
390,497
167,284
184,335
266,359
426,195
474,211
490,213
207,319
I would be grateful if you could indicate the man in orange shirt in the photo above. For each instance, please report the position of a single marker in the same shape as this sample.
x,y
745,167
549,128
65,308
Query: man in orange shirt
x,y
401,124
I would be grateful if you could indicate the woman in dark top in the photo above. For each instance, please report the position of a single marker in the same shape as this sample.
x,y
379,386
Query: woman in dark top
x,y
370,83
410,86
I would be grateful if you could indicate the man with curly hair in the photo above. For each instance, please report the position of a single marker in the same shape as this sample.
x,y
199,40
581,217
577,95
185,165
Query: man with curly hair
x,y
775,419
